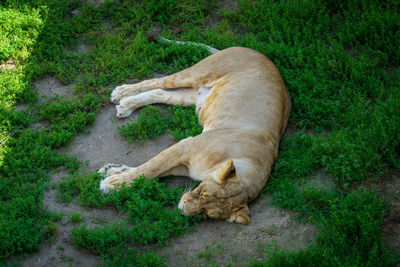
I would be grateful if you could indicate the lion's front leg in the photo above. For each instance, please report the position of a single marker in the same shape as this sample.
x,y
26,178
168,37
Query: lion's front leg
x,y
114,181
112,169
163,163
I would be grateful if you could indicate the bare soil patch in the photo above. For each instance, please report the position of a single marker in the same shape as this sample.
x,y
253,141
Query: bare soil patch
x,y
388,188
104,144
51,87
223,243
59,251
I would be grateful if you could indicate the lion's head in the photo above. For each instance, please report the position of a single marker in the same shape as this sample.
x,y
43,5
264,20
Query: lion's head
x,y
221,195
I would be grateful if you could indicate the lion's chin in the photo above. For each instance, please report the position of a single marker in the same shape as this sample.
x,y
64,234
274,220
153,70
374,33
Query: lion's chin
x,y
186,213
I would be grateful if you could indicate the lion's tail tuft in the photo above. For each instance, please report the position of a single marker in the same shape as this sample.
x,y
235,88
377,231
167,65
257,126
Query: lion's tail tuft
x,y
212,50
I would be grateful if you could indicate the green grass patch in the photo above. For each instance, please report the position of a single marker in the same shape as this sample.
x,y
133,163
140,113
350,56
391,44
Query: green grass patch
x,y
150,205
76,218
350,222
26,156
350,236
211,251
180,122
151,208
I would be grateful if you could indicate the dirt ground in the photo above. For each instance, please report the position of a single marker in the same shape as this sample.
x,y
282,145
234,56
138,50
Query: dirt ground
x,y
210,242
388,188
225,243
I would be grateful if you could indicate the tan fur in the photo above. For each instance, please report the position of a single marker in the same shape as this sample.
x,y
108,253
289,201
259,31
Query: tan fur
x,y
244,117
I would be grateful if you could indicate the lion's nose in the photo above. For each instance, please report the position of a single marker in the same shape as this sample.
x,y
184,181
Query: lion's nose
x,y
181,204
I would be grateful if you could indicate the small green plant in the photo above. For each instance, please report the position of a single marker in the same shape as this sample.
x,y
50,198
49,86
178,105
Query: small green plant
x,y
57,216
51,228
76,218
66,259
99,220
211,251
272,229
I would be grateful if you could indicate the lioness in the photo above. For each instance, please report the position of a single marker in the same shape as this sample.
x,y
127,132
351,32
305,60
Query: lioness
x,y
243,105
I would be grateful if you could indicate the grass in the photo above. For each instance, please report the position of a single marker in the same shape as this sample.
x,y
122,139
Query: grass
x,y
180,122
76,218
340,63
211,251
152,216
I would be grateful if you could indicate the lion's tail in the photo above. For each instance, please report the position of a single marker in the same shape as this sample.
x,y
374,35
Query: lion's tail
x,y
212,50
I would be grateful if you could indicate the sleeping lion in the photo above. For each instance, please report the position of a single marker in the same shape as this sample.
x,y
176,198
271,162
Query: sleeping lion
x,y
243,106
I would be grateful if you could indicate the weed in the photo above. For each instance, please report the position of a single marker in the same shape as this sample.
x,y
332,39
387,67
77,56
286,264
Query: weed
x,y
56,217
99,220
211,251
66,259
271,229
235,257
76,218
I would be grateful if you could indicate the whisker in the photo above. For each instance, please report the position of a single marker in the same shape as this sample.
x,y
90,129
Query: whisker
x,y
187,189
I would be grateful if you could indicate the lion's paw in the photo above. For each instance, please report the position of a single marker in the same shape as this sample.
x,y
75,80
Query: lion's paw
x,y
106,186
118,93
123,91
111,169
123,111
114,182
108,166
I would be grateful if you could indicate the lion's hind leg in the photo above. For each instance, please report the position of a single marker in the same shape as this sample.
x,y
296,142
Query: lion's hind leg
x,y
181,79
184,97
202,74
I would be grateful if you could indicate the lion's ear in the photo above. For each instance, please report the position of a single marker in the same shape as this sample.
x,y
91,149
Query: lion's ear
x,y
225,171
197,191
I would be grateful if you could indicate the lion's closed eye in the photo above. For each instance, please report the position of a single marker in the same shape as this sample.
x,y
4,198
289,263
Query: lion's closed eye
x,y
204,195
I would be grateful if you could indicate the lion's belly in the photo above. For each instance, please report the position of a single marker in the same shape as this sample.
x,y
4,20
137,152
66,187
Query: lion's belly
x,y
202,95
